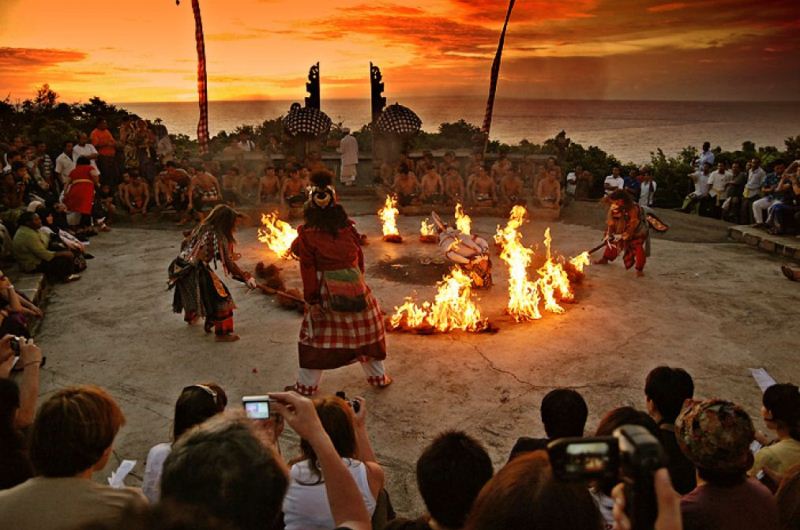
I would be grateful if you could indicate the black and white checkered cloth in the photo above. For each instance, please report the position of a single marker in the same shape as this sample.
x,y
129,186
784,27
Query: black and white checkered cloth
x,y
399,120
308,121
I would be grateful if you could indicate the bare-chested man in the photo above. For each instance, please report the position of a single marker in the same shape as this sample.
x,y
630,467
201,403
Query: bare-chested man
x,y
164,190
293,192
138,196
406,186
204,192
481,189
270,186
448,161
549,191
551,164
453,186
501,168
230,186
511,189
431,186
249,186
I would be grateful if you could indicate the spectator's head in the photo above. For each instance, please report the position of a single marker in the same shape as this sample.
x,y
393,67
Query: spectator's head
x,y
9,405
68,147
721,166
633,172
615,171
755,163
74,431
82,161
781,409
195,405
41,148
403,168
551,161
18,169
706,167
450,474
736,167
102,124
666,389
223,467
615,419
171,165
524,495
716,436
82,139
779,168
564,413
29,219
345,130
706,146
293,171
337,420
552,173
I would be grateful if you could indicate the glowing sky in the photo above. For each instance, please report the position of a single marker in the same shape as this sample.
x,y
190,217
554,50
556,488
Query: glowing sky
x,y
144,50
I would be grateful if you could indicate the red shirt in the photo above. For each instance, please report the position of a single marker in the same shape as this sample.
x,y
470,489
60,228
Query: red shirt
x,y
104,142
319,250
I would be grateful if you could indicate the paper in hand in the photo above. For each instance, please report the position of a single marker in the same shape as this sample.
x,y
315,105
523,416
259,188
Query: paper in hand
x,y
117,478
763,379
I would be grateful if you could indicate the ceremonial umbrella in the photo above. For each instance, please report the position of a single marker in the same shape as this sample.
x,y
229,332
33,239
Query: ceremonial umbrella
x,y
399,120
307,121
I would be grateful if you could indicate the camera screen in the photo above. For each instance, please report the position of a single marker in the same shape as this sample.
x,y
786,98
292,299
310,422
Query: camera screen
x,y
590,457
257,410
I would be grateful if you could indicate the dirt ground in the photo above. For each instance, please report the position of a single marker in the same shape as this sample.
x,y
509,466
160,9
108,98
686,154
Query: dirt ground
x,y
714,307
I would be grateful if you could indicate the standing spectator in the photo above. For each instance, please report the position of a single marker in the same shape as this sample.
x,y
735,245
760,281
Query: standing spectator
x,y
716,436
348,147
706,157
45,166
718,186
196,404
697,198
632,184
244,142
648,190
781,413
564,414
665,390
613,182
72,437
17,410
32,255
106,146
85,149
769,196
733,193
164,148
79,195
450,474
65,163
752,190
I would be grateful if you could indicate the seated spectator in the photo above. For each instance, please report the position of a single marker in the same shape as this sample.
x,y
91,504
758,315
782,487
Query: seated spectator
x,y
293,191
564,414
511,191
32,254
71,438
454,186
614,419
249,186
695,201
781,413
784,215
717,187
788,499
770,195
137,195
665,390
195,405
230,186
12,194
406,186
716,436
306,505
12,313
734,189
752,190
524,495
431,187
231,468
450,474
481,189
17,409
269,186
548,192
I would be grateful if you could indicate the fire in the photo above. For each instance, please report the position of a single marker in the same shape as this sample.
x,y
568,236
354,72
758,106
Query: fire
x,y
580,261
388,215
523,294
427,232
277,234
452,308
553,281
463,221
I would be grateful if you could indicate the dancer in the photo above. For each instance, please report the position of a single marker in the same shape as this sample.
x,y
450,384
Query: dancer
x,y
627,231
199,292
342,321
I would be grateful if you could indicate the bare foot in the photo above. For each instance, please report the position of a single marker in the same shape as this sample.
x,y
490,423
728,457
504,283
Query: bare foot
x,y
639,274
231,337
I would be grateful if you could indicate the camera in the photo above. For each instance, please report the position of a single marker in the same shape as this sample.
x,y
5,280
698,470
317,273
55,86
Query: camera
x,y
354,404
256,407
631,455
14,344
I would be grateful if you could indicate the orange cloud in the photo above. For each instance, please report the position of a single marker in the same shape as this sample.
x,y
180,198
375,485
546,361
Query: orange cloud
x,y
672,6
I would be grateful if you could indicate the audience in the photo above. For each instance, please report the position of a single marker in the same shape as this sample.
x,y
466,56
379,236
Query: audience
x,y
32,253
563,413
781,413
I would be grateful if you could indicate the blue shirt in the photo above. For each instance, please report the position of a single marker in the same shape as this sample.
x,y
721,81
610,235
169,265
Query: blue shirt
x,y
633,185
771,181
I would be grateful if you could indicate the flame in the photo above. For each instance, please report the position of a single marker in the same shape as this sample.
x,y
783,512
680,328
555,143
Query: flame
x,y
553,281
388,215
427,228
463,221
452,308
277,234
523,294
580,261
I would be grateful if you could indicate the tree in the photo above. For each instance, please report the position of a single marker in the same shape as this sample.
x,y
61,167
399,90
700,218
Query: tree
x,y
45,99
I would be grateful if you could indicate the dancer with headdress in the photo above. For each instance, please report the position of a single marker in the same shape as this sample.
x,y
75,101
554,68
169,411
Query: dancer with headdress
x,y
199,292
342,322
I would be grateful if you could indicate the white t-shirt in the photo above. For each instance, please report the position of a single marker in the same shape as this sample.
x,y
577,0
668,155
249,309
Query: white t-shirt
x,y
717,182
65,165
87,150
647,193
305,506
700,184
706,157
151,483
246,145
617,182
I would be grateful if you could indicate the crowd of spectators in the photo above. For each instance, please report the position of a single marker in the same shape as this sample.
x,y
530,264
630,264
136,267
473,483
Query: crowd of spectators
x,y
223,470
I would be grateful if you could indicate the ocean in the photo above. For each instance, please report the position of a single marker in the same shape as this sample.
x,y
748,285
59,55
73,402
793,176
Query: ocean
x,y
628,129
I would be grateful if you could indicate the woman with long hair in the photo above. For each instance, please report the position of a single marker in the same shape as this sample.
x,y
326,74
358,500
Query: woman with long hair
x,y
199,292
342,322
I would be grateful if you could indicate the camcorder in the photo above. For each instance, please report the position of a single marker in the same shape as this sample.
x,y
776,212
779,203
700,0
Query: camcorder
x,y
256,407
632,455
354,404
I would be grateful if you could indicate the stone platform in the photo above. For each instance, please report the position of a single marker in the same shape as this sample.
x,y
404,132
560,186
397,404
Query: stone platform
x,y
786,246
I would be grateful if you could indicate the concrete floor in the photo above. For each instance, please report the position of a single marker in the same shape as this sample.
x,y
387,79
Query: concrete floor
x,y
715,309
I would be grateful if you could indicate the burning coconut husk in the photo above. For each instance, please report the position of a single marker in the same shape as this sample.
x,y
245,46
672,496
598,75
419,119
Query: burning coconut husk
x,y
452,309
278,235
388,217
271,283
428,232
463,221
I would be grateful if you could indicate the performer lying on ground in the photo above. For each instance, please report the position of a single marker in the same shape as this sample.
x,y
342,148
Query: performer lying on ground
x,y
199,292
342,323
470,252
627,231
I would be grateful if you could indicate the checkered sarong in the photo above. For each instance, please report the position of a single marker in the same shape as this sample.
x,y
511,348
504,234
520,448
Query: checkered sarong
x,y
337,339
202,80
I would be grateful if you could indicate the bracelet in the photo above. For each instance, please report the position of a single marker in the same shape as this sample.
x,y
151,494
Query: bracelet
x,y
30,363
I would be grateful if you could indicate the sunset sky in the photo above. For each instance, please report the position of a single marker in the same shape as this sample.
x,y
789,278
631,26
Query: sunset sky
x,y
144,50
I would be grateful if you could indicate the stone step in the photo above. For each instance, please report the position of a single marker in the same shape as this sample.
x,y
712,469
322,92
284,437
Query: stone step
x,y
787,246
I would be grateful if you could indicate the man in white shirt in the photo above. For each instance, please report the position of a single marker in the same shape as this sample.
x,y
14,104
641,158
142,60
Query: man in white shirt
x,y
648,191
348,147
752,190
700,179
65,162
706,157
83,148
613,182
245,143
718,184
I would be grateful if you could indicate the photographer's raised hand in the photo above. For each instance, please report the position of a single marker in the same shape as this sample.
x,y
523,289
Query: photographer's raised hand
x,y
669,505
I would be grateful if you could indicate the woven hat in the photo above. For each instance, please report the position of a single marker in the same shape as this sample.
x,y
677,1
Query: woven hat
x,y
715,435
